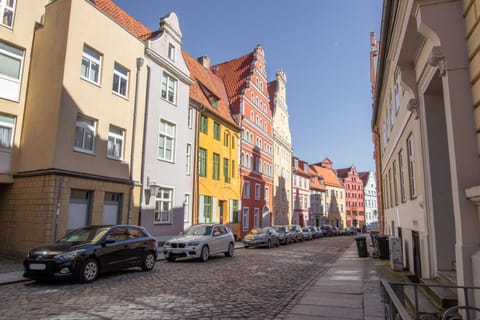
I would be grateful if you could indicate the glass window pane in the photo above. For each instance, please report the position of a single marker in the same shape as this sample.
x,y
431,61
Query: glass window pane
x,y
10,66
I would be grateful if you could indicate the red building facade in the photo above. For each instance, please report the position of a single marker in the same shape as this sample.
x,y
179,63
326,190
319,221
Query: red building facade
x,y
245,79
354,196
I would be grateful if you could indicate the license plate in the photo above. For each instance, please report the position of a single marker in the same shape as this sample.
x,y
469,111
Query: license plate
x,y
37,266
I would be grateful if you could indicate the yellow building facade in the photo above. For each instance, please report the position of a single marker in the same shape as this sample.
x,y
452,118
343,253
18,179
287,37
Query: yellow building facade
x,y
218,179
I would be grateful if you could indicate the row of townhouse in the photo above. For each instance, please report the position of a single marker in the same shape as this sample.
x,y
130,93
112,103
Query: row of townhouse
x,y
426,87
341,197
104,121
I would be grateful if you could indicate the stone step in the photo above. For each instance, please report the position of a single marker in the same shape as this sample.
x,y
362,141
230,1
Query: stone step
x,y
442,296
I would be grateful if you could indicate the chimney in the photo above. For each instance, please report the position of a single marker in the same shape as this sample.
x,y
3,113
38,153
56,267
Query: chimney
x,y
204,61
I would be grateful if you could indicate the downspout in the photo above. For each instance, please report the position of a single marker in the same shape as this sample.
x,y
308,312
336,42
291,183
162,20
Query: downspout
x,y
132,154
144,145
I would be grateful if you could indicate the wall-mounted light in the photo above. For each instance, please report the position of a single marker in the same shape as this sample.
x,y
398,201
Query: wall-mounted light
x,y
151,190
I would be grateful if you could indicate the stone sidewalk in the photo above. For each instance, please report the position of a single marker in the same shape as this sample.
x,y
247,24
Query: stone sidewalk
x,y
349,289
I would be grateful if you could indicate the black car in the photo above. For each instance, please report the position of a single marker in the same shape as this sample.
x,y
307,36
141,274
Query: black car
x,y
84,253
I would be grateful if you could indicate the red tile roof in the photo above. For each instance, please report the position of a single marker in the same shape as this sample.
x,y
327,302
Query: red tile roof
x,y
234,73
315,180
208,85
123,18
328,175
364,176
272,87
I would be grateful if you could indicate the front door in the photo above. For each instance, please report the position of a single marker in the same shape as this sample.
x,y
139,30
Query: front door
x,y
417,265
221,206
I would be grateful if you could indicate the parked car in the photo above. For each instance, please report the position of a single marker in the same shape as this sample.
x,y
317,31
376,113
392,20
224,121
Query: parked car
x,y
296,231
315,232
335,231
327,230
306,233
86,252
200,241
284,234
261,237
350,231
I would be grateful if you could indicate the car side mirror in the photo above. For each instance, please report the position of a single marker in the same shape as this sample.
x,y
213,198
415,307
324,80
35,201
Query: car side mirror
x,y
108,241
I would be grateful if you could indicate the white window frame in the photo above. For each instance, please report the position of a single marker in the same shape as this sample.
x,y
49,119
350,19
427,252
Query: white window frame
x,y
163,217
245,218
186,208
118,137
166,136
171,52
86,125
169,88
188,165
9,84
7,126
256,218
267,193
121,74
4,9
190,118
89,58
411,167
258,192
246,189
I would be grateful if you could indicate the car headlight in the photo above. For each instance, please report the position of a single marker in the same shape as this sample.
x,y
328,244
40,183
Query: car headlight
x,y
193,244
69,256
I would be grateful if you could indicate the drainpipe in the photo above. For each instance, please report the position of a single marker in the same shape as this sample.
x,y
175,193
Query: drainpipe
x,y
132,155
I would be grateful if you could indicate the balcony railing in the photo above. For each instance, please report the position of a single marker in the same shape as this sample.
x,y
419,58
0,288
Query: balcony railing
x,y
399,304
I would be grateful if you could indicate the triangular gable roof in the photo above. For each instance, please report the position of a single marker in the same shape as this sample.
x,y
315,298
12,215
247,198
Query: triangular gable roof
x,y
329,176
234,74
208,85
123,18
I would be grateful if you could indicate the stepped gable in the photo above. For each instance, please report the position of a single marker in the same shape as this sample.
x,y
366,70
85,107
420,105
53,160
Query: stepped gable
x,y
123,18
206,86
343,173
235,74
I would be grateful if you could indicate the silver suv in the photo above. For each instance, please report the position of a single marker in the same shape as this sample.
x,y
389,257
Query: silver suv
x,y
200,241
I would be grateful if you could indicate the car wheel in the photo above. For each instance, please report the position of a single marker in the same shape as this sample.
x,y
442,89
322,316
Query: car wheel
x,y
171,259
148,262
89,271
246,246
204,254
229,252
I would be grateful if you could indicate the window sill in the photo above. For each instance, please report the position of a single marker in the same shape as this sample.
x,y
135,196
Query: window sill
x,y
162,223
84,151
97,84
116,159
169,102
120,95
165,160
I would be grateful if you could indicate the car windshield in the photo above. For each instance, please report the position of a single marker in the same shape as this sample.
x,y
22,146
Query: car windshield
x,y
88,234
199,231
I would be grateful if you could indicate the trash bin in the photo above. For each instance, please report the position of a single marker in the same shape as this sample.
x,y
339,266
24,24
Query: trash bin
x,y
362,247
383,249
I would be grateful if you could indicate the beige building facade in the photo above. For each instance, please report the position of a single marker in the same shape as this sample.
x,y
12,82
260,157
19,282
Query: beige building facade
x,y
427,135
82,116
282,145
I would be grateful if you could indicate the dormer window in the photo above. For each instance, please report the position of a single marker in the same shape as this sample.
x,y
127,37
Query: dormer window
x,y
213,102
171,52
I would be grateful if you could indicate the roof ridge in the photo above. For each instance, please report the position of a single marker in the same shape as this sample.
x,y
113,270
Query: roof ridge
x,y
232,60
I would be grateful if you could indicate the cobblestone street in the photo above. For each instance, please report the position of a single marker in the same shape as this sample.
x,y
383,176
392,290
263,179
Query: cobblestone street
x,y
254,284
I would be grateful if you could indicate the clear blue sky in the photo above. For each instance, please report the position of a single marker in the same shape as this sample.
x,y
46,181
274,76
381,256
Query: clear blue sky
x,y
321,45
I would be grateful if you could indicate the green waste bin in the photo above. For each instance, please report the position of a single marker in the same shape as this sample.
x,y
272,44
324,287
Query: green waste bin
x,y
383,249
362,247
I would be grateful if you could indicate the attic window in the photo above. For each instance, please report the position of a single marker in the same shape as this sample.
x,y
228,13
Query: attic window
x,y
214,103
171,52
